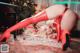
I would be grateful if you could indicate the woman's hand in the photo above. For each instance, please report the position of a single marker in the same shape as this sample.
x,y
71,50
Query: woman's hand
x,y
5,36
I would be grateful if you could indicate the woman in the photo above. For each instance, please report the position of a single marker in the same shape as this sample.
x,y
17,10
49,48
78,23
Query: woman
x,y
64,17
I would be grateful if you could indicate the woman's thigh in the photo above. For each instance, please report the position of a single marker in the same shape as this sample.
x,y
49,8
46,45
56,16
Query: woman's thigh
x,y
68,20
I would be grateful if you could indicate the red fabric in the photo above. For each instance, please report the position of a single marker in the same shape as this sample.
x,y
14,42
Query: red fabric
x,y
58,27
61,34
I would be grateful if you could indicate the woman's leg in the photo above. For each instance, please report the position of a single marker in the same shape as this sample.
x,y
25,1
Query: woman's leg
x,y
49,13
67,23
42,16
